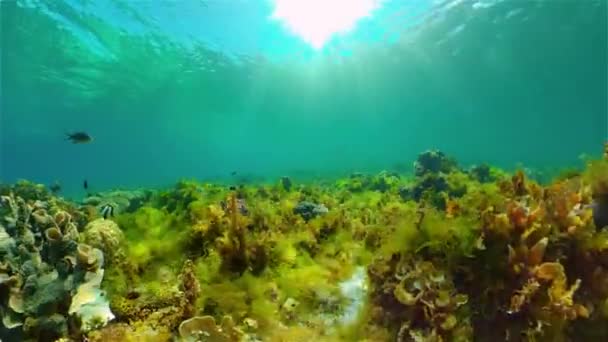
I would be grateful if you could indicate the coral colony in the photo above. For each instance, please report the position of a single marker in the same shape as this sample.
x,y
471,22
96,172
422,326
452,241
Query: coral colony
x,y
446,254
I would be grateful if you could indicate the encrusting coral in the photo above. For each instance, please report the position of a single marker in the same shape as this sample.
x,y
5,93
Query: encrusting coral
x,y
450,254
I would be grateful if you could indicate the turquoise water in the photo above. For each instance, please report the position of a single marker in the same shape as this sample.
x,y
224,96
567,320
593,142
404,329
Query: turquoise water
x,y
203,89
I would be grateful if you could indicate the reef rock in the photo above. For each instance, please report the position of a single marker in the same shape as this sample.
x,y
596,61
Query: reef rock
x,y
241,206
433,161
204,328
482,173
309,210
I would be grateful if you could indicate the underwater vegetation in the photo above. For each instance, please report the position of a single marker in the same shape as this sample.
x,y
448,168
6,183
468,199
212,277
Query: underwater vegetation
x,y
448,254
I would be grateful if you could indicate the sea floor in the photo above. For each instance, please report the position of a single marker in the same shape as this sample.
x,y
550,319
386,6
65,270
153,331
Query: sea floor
x,y
445,253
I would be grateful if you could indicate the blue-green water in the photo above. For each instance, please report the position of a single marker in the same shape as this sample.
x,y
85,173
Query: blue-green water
x,y
174,89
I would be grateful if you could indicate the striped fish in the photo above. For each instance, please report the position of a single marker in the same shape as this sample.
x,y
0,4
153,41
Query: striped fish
x,y
107,210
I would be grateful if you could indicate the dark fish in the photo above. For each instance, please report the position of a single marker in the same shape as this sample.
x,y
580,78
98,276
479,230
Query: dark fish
x,y
107,210
600,212
79,137
233,173
85,184
599,209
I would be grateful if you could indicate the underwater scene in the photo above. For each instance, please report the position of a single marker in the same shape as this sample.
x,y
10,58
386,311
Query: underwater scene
x,y
303,170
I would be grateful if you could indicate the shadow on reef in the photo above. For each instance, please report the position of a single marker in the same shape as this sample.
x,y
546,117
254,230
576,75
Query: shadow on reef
x,y
448,254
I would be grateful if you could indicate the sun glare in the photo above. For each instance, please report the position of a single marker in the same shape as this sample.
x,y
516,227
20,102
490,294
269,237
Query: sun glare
x,y
316,21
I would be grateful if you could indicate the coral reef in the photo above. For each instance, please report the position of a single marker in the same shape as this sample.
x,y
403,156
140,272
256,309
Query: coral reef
x,y
50,281
448,254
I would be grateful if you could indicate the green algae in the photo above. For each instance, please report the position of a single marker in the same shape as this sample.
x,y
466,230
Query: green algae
x,y
152,233
443,266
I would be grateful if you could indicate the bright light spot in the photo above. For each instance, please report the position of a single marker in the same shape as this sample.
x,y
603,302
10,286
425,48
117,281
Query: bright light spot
x,y
316,21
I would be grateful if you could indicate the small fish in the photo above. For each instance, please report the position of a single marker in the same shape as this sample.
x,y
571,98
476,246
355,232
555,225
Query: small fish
x,y
79,137
233,173
600,211
107,210
85,184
